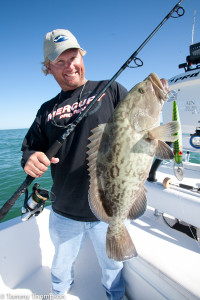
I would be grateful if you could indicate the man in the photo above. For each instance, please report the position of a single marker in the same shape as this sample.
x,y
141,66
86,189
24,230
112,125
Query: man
x,y
71,217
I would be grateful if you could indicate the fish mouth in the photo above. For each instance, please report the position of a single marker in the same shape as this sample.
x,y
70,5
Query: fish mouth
x,y
160,86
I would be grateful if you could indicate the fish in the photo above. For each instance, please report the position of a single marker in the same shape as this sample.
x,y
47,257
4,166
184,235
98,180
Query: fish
x,y
119,159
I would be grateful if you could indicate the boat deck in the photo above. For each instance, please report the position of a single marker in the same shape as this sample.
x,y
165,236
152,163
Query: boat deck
x,y
167,265
28,272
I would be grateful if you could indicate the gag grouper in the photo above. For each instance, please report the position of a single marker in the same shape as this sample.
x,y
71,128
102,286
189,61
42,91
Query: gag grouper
x,y
120,156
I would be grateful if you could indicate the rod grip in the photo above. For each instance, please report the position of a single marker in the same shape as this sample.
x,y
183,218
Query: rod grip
x,y
9,204
53,150
185,186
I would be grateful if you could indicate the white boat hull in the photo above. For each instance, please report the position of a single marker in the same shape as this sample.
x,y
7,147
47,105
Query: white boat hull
x,y
185,89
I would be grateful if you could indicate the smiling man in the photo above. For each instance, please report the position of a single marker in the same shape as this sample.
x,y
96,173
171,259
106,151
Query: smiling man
x,y
71,217
68,69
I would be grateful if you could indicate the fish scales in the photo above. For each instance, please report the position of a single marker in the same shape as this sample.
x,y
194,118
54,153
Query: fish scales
x,y
125,148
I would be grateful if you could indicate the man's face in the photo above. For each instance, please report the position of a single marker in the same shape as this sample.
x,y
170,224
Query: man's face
x,y
68,69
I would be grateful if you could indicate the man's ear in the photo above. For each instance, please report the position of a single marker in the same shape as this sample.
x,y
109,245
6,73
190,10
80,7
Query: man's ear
x,y
49,69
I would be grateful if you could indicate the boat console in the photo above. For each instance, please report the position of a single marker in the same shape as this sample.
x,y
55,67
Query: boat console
x,y
192,59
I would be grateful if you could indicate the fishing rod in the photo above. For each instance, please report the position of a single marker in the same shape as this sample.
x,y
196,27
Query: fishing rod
x,y
52,151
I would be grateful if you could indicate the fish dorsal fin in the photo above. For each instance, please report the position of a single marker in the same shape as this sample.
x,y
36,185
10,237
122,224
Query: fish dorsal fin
x,y
93,146
139,206
97,133
165,132
163,151
94,194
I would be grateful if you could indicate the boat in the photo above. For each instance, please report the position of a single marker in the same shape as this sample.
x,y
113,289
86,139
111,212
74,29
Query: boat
x,y
167,236
168,261
185,89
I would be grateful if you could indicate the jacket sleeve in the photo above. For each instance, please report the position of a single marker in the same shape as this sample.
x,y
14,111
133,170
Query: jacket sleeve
x,y
35,140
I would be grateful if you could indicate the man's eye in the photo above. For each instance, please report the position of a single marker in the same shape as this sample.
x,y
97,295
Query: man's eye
x,y
74,58
60,62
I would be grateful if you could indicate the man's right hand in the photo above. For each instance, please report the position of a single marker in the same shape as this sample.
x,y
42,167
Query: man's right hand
x,y
38,164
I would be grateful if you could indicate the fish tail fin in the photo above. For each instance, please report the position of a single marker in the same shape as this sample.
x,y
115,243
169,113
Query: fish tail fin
x,y
120,247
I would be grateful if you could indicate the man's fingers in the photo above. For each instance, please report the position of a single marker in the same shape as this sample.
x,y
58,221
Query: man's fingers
x,y
54,160
37,164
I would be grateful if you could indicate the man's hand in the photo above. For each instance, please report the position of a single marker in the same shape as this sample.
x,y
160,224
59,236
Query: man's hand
x,y
38,164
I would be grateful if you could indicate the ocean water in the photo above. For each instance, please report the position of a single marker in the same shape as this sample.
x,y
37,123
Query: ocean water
x,y
11,172
12,175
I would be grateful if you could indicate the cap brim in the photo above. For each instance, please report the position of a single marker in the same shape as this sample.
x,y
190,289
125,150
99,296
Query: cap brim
x,y
54,55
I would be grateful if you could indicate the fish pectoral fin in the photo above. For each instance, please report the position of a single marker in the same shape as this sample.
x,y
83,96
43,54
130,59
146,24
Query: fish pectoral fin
x,y
166,132
163,151
139,206
119,245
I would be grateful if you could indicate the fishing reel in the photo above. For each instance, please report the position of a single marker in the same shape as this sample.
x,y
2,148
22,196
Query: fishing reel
x,y
34,204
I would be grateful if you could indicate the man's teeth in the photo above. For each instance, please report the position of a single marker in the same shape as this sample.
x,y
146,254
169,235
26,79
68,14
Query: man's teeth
x,y
71,75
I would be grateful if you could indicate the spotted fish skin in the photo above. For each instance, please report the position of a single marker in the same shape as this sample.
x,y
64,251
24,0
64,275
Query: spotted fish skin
x,y
120,156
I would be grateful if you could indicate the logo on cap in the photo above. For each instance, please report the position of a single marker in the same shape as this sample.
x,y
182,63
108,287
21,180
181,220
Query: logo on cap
x,y
60,38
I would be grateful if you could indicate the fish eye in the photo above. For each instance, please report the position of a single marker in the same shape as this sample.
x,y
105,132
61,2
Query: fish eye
x,y
141,91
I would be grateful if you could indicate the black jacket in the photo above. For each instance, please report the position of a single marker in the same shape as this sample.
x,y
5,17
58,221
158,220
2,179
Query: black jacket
x,y
70,175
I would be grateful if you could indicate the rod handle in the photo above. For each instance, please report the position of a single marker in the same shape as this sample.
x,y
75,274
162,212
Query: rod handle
x,y
53,150
9,203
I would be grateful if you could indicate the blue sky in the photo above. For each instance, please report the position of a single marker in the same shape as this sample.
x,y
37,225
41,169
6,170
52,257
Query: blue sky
x,y
110,31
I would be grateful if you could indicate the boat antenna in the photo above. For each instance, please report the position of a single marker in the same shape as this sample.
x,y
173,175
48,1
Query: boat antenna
x,y
193,27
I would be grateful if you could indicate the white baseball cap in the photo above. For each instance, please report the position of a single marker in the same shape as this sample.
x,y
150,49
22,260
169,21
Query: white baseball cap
x,y
57,41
